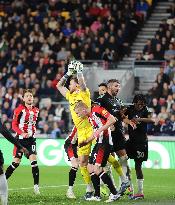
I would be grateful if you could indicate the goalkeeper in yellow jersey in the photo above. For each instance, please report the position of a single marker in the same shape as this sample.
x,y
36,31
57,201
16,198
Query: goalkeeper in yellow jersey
x,y
79,92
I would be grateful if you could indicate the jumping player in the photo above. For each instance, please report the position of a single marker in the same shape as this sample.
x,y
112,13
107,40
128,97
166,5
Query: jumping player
x,y
137,145
24,124
78,91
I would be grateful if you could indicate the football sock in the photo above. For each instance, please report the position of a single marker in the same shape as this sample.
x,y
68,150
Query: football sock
x,y
140,185
96,183
116,165
11,169
85,174
35,172
107,180
72,176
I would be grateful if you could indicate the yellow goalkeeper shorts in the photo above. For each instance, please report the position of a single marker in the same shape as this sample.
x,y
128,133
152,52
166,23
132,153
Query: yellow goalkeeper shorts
x,y
84,134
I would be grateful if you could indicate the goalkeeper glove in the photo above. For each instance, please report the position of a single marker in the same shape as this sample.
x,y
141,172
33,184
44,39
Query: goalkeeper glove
x,y
71,69
78,67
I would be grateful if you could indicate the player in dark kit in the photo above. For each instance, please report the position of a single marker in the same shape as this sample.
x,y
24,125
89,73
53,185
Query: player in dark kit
x,y
101,120
70,147
137,145
24,124
3,181
115,106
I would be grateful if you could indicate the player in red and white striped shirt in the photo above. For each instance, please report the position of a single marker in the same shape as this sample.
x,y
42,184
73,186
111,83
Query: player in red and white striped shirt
x,y
70,147
24,124
101,120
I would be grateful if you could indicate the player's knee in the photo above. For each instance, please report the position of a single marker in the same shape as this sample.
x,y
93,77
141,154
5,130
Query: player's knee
x,y
90,168
83,162
15,165
123,159
97,169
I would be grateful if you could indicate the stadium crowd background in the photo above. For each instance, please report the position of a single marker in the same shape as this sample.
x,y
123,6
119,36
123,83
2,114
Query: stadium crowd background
x,y
38,38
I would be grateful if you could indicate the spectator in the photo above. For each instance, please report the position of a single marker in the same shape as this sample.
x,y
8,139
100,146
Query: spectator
x,y
56,132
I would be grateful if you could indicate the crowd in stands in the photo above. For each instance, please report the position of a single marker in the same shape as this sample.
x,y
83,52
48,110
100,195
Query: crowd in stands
x,y
162,46
39,37
161,97
161,100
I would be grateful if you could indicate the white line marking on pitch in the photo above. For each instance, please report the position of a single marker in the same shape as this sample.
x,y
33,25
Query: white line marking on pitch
x,y
43,187
63,185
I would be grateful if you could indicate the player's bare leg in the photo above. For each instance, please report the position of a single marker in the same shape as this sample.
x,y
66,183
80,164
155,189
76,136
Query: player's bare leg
x,y
72,175
35,172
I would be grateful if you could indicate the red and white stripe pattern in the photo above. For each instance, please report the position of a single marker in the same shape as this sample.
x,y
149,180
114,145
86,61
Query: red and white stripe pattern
x,y
98,118
24,120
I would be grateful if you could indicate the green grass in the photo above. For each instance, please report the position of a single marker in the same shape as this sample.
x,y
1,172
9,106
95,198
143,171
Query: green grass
x,y
159,188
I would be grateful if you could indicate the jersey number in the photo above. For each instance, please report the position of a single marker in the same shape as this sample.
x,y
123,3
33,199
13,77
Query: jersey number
x,y
33,148
140,154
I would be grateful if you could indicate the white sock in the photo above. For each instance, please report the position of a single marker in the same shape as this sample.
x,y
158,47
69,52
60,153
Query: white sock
x,y
89,188
123,179
101,183
3,189
140,186
71,188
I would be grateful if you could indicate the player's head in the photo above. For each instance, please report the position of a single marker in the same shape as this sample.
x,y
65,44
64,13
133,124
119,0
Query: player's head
x,y
73,85
113,86
81,109
28,98
102,88
139,101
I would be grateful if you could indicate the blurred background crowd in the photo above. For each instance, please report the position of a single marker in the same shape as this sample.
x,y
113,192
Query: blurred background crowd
x,y
39,37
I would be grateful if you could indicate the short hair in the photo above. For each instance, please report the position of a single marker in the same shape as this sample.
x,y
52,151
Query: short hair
x,y
79,104
139,97
113,81
28,91
102,84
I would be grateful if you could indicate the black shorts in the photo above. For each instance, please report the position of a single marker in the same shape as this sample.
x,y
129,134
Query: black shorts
x,y
28,143
118,141
137,151
71,150
100,154
1,159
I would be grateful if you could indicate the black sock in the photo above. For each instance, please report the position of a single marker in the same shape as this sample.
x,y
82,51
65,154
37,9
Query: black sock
x,y
72,176
11,169
35,172
107,180
96,183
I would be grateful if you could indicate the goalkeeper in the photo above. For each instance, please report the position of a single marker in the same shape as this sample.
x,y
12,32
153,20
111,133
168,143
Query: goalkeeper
x,y
79,92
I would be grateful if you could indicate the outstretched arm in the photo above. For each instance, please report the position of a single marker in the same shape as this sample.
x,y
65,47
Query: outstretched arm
x,y
61,84
81,81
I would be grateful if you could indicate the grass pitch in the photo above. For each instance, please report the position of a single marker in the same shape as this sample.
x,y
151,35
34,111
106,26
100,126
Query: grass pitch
x,y
159,187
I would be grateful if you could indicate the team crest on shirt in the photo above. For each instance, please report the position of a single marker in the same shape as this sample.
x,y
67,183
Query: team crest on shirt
x,y
104,112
